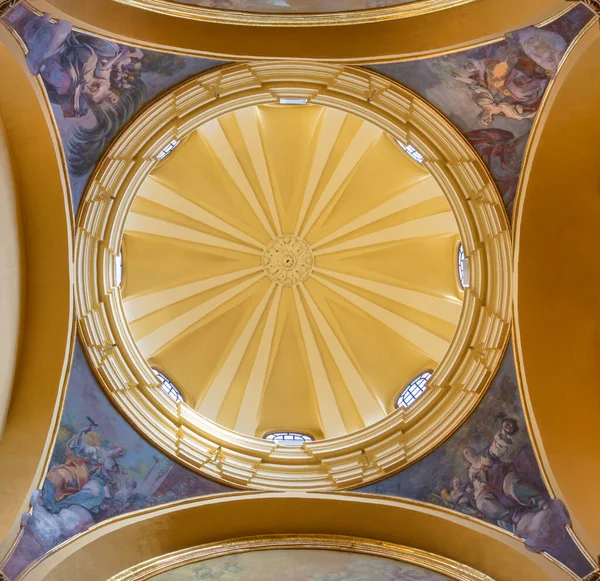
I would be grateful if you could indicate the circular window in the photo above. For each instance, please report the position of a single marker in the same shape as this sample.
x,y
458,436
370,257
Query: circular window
x,y
287,263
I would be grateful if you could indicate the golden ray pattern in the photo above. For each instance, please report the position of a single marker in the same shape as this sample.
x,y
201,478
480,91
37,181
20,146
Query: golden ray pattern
x,y
291,267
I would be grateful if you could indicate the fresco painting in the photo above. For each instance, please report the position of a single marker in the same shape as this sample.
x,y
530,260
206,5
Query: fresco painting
x,y
100,468
95,85
300,565
488,470
293,6
492,93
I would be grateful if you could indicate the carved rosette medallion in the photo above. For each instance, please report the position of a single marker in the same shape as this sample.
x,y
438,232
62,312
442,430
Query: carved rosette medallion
x,y
287,260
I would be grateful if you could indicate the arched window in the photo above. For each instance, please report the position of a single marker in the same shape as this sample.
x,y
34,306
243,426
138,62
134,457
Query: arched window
x,y
293,100
119,269
168,149
414,390
168,387
463,267
289,438
412,152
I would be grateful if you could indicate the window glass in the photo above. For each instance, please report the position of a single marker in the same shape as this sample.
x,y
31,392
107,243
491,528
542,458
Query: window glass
x,y
412,152
289,438
168,387
463,267
168,149
119,269
414,390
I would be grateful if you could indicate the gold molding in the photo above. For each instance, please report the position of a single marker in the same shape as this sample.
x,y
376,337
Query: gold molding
x,y
183,36
50,392
416,557
217,15
399,439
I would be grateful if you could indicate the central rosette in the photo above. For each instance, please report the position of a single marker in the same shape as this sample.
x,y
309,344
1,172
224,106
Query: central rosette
x,y
287,260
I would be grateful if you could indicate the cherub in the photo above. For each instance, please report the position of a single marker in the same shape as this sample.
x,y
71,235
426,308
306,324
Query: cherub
x,y
502,441
459,496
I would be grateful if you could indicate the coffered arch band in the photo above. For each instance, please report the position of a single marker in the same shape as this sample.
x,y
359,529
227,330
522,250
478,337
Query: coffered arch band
x,y
348,461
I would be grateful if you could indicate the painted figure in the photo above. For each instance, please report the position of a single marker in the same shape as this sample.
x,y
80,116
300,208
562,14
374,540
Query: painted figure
x,y
510,78
80,71
89,480
509,493
88,477
502,441
89,78
459,497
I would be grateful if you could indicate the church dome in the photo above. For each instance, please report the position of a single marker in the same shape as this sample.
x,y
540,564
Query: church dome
x,y
291,267
279,275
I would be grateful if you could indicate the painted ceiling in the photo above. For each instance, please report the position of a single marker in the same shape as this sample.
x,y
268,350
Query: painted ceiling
x,y
292,6
300,565
291,267
456,84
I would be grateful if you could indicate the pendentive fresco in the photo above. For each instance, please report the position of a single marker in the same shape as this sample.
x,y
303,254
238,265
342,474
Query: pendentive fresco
x,y
101,467
488,470
95,85
492,93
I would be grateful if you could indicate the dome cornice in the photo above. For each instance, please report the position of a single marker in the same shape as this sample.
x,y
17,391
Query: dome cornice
x,y
351,460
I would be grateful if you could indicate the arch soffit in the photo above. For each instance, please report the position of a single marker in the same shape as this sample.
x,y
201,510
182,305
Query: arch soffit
x,y
422,35
540,212
45,353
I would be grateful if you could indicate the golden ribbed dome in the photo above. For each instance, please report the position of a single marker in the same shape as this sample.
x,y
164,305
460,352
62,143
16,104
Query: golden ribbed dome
x,y
291,268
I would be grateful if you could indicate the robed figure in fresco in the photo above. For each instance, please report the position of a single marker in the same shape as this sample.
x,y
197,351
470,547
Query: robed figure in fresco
x,y
89,78
89,476
87,483
504,487
510,78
